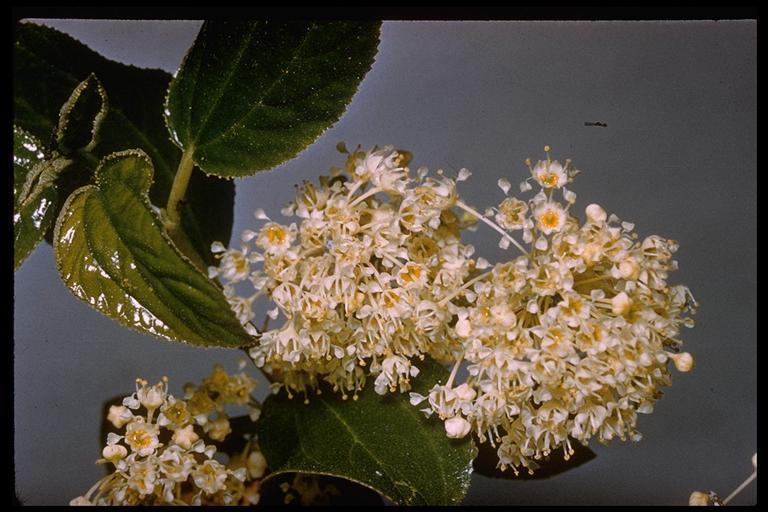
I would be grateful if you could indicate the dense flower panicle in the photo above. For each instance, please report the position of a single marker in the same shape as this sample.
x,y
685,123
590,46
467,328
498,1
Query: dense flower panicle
x,y
568,340
162,459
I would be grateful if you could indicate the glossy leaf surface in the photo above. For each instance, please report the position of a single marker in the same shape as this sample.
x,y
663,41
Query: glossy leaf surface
x,y
33,209
252,94
113,253
48,65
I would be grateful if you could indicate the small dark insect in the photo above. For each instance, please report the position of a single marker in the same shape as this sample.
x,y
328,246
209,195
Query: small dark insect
x,y
597,123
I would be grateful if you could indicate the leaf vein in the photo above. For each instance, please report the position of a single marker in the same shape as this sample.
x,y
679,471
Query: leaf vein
x,y
259,103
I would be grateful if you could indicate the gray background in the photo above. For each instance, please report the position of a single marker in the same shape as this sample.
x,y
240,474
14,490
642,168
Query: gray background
x,y
678,158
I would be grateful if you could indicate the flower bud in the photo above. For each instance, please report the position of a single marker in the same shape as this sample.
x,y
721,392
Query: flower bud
x,y
119,415
114,452
185,437
596,214
699,499
465,393
257,464
629,269
621,304
457,427
463,328
683,361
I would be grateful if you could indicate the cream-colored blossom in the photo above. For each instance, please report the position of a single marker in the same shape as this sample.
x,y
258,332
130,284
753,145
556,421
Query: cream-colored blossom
x,y
180,471
142,437
550,217
570,339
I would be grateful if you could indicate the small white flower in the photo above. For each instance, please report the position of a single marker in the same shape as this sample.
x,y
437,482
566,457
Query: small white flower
x,y
142,477
210,476
152,397
185,437
142,437
512,213
550,217
412,275
275,238
550,174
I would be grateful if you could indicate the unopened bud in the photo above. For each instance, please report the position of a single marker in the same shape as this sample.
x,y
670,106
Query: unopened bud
x,y
629,269
465,393
457,427
621,304
683,361
114,452
596,214
699,499
257,464
463,328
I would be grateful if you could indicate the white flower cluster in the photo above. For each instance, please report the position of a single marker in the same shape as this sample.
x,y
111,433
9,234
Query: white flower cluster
x,y
161,459
568,340
363,280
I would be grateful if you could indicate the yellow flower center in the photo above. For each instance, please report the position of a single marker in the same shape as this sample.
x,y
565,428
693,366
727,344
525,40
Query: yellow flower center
x,y
557,334
575,307
549,179
275,235
550,219
389,300
241,265
412,274
177,412
512,211
139,438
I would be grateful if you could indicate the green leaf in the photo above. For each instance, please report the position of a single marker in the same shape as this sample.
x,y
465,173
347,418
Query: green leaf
x,y
487,458
48,65
113,253
251,95
81,117
382,442
32,214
